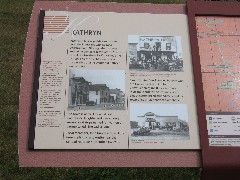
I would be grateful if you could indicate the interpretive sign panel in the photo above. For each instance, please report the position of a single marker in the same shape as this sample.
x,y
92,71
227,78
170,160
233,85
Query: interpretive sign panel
x,y
214,37
219,42
114,81
88,158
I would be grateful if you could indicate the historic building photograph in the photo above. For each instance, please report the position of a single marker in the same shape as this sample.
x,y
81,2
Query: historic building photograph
x,y
96,89
159,121
155,53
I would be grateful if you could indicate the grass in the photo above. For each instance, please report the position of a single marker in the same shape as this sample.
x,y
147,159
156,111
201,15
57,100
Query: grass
x,y
14,20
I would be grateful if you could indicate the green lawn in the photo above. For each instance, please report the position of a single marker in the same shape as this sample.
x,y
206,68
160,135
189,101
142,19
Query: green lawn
x,y
14,19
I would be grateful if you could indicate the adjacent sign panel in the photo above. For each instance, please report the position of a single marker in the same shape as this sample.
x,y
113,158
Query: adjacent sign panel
x,y
115,81
219,49
215,47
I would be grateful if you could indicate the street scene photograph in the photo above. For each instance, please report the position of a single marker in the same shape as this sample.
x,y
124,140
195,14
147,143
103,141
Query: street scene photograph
x,y
159,121
155,53
96,90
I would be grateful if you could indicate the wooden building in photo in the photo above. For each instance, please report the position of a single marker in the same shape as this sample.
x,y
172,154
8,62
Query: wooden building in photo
x,y
99,93
79,88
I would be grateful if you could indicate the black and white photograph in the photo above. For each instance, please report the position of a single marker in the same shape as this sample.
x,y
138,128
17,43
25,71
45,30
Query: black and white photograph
x,y
159,121
96,90
155,53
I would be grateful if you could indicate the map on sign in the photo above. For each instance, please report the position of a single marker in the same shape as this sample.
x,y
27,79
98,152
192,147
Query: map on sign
x,y
219,50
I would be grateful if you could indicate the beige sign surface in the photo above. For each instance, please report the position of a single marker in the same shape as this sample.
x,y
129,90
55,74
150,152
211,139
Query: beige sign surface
x,y
115,81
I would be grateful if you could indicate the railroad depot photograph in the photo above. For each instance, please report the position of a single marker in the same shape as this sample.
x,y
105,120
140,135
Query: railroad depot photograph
x,y
159,122
155,53
96,90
